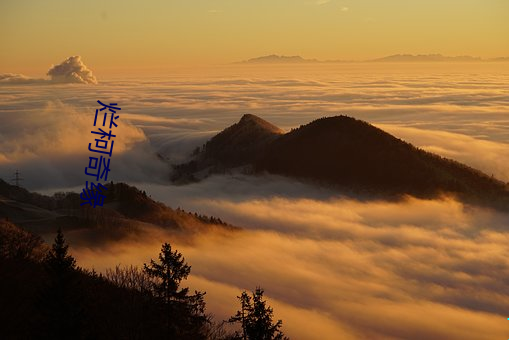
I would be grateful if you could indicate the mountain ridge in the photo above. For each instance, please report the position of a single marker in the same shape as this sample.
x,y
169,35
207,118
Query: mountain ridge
x,y
125,208
351,155
278,59
400,58
230,148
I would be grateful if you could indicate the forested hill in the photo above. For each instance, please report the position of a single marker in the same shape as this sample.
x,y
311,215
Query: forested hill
x,y
350,155
125,207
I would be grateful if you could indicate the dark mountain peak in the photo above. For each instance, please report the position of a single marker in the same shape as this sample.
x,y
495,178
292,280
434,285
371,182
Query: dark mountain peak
x,y
346,153
331,133
250,118
250,121
354,154
240,143
341,122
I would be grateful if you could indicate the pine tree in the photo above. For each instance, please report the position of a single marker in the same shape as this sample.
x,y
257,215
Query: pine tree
x,y
58,260
255,317
61,299
241,316
184,313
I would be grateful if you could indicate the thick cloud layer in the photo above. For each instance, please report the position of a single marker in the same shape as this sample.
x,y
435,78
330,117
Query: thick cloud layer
x,y
72,70
339,268
458,112
50,147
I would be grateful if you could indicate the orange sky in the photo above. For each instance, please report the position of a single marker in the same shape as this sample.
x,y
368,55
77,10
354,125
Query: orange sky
x,y
135,35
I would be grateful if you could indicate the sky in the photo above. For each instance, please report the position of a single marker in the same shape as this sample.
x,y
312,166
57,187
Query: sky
x,y
134,36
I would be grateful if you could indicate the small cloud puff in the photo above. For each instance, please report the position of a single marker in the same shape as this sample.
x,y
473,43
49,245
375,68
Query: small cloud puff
x,y
72,70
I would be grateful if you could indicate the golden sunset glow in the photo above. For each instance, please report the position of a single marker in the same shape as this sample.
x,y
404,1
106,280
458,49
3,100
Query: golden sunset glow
x,y
135,35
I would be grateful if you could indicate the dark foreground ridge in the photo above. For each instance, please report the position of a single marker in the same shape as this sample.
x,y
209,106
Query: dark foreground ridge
x,y
126,210
348,154
45,294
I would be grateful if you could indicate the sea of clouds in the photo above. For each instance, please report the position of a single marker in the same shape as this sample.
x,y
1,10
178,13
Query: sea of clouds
x,y
342,269
332,267
456,111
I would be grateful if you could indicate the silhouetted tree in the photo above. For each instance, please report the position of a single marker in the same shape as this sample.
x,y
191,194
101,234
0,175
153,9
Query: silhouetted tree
x,y
185,314
17,243
61,302
58,260
49,297
129,277
255,318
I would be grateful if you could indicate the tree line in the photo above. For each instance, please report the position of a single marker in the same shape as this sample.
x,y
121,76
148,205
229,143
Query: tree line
x,y
53,298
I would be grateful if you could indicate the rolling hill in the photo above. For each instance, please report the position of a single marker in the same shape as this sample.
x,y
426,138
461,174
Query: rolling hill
x,y
348,154
125,209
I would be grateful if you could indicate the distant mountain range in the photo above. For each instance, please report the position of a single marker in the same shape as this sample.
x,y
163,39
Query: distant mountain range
x,y
280,59
426,58
344,153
